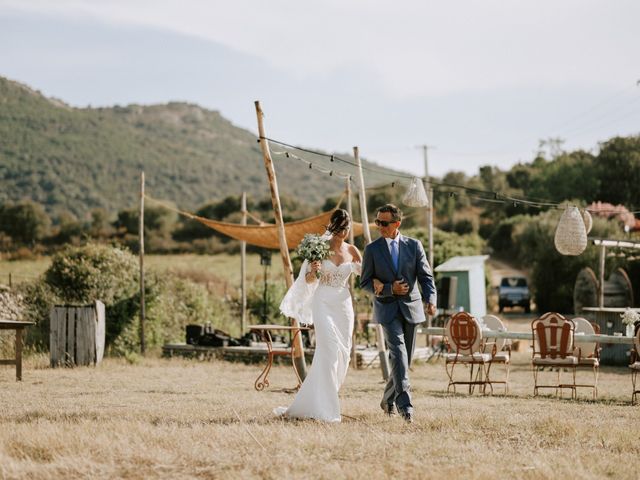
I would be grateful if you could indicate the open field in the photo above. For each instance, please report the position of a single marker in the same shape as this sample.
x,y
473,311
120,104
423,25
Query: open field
x,y
189,419
223,267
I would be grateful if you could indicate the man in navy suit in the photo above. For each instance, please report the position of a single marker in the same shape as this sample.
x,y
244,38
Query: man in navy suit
x,y
392,268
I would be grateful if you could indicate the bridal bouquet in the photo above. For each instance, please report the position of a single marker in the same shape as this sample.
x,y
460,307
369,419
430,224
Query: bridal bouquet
x,y
314,248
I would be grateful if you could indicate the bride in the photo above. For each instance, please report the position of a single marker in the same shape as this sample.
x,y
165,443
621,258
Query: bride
x,y
325,302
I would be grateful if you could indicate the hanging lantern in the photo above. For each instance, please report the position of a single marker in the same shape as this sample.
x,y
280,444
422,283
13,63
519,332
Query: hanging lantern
x,y
416,196
571,235
588,220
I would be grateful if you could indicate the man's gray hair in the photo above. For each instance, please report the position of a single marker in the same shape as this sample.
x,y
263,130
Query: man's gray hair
x,y
395,212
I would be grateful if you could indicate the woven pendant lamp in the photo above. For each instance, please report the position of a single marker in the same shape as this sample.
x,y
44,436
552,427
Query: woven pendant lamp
x,y
416,196
588,220
571,235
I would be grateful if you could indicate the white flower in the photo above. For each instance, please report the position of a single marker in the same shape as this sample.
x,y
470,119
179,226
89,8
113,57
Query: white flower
x,y
630,317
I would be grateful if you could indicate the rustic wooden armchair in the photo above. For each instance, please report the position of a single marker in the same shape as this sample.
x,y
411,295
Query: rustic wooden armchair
x,y
553,348
502,347
635,365
465,346
588,353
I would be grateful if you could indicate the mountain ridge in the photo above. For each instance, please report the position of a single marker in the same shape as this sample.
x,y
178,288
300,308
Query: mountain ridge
x,y
77,159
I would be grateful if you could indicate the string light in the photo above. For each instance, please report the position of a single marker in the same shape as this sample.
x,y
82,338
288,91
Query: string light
x,y
496,195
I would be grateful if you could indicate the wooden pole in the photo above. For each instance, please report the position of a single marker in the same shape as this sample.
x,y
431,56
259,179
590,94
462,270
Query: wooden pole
x,y
354,356
382,351
141,237
243,269
601,276
298,348
362,197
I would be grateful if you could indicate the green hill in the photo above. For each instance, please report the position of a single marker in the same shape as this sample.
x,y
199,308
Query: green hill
x,y
78,159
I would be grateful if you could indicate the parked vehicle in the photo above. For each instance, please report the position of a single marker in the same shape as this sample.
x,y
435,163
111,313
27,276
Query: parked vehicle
x,y
512,292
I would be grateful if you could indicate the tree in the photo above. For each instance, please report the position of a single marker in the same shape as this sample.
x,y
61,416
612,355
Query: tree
x,y
618,167
25,222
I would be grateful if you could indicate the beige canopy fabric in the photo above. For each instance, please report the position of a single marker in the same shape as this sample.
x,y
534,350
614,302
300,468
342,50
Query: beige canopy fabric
x,y
266,235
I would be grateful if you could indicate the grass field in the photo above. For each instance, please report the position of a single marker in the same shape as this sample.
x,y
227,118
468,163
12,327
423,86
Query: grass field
x,y
189,419
224,267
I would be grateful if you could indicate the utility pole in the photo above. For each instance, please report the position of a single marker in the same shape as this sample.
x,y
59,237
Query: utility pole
x,y
427,186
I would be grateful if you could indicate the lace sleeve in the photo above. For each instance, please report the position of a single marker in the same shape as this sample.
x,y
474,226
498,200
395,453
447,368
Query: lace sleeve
x,y
356,267
297,301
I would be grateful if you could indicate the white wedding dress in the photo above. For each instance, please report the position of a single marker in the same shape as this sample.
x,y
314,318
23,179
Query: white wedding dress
x,y
327,304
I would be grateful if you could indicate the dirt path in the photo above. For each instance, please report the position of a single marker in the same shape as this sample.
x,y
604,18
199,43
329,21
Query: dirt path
x,y
499,269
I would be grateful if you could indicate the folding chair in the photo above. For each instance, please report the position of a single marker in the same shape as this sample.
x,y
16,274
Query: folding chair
x,y
588,353
466,347
503,347
635,365
553,348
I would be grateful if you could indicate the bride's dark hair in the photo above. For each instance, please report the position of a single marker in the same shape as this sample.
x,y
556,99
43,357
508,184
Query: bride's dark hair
x,y
339,221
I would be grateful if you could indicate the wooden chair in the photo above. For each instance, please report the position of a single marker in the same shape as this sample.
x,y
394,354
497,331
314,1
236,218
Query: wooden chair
x,y
465,346
503,347
553,348
635,364
588,353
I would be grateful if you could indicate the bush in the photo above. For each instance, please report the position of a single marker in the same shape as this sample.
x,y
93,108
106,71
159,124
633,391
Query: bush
x,y
81,275
93,272
255,302
448,244
39,298
553,275
171,304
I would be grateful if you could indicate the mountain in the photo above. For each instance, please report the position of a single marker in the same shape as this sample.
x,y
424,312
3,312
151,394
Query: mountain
x,y
79,159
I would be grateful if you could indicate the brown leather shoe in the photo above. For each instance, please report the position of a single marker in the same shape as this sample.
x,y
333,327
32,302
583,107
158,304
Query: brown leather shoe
x,y
407,416
388,408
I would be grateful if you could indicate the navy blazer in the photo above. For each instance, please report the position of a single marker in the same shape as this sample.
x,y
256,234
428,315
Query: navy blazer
x,y
413,268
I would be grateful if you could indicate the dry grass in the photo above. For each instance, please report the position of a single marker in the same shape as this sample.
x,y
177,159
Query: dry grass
x,y
203,268
189,419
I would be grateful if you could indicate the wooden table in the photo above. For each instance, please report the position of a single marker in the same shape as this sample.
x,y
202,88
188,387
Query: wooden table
x,y
265,332
17,361
602,339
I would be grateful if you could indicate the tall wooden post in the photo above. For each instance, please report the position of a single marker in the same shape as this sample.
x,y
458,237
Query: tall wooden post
x,y
298,348
382,351
243,269
354,356
362,197
141,237
429,190
603,250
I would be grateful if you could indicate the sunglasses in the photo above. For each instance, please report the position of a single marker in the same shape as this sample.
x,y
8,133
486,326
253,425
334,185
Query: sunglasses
x,y
384,223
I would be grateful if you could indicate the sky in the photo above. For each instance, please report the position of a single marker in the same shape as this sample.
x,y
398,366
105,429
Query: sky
x,y
479,82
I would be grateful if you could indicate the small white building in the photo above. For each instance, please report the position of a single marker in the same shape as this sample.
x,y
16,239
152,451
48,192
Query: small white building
x,y
462,284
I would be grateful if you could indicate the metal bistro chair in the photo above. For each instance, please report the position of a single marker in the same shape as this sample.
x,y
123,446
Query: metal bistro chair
x,y
503,347
635,364
466,347
588,353
553,348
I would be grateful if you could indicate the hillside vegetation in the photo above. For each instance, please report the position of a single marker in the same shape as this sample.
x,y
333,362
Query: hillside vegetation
x,y
80,159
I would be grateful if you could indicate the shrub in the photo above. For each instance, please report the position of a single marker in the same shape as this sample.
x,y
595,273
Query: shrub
x,y
448,244
81,275
171,304
255,302
553,275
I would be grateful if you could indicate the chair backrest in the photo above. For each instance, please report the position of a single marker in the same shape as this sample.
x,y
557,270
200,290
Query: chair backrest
x,y
494,323
464,333
636,342
585,327
552,336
